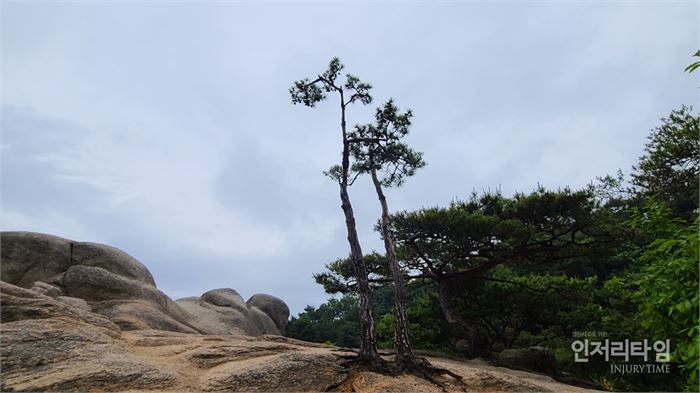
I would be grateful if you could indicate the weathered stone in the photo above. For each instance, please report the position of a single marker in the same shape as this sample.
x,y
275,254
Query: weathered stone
x,y
46,289
274,307
138,315
261,323
369,382
129,303
75,302
57,354
223,311
211,319
210,356
113,260
28,257
225,297
285,373
96,284
536,358
19,304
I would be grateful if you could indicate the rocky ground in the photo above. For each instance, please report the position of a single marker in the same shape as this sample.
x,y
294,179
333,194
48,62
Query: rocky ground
x,y
79,316
50,345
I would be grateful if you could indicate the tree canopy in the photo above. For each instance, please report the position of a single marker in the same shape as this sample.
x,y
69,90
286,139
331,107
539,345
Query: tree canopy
x,y
670,166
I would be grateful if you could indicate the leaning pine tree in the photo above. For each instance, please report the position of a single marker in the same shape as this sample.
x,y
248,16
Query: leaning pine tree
x,y
309,93
378,151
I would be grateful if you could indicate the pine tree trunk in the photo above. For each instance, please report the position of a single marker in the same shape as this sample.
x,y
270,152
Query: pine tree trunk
x,y
401,343
448,288
368,347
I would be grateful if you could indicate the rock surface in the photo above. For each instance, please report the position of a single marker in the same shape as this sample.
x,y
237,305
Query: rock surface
x,y
49,345
224,310
110,282
536,358
274,307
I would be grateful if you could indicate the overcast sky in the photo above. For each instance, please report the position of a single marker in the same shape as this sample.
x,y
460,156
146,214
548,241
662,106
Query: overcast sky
x,y
166,128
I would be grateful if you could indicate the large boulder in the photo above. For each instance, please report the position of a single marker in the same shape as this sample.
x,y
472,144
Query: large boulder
x,y
97,284
28,257
113,260
212,319
224,310
274,307
110,282
261,323
130,303
225,297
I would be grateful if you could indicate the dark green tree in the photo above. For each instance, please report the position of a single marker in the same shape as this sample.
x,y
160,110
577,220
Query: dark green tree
x,y
457,247
380,153
670,166
543,232
335,322
310,93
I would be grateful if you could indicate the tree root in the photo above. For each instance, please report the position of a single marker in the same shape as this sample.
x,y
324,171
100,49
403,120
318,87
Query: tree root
x,y
422,368
417,366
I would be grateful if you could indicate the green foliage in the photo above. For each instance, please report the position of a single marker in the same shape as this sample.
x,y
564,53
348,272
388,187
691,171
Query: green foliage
x,y
667,293
311,92
385,331
427,326
670,166
519,310
339,277
378,146
693,66
548,231
335,321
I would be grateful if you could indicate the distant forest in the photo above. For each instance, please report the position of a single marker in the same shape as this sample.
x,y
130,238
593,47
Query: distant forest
x,y
494,272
